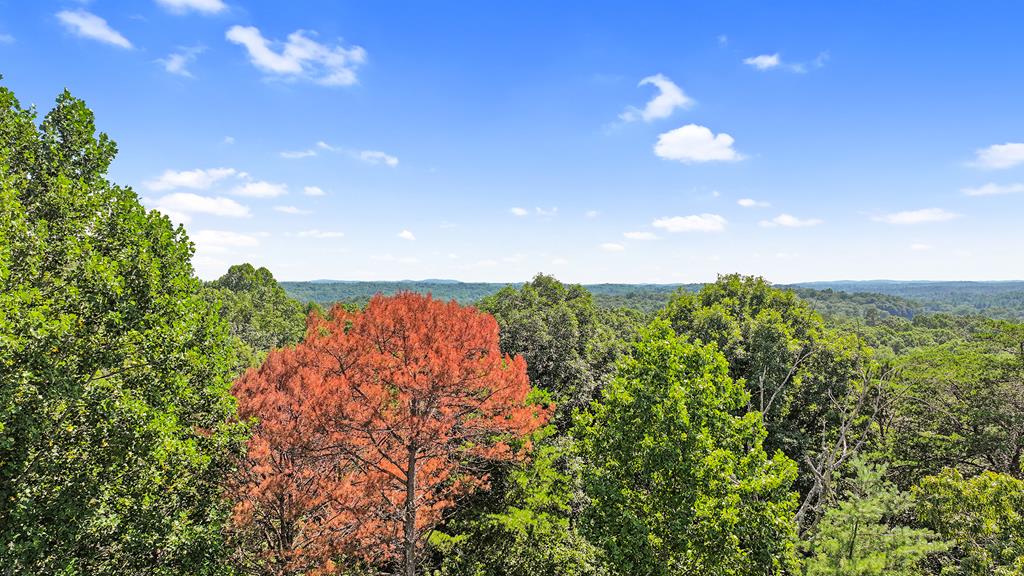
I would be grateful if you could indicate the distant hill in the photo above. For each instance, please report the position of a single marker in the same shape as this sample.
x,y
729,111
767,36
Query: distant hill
x,y
839,299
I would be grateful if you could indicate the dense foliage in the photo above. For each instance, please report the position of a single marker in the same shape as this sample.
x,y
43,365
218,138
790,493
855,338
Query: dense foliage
x,y
556,430
116,426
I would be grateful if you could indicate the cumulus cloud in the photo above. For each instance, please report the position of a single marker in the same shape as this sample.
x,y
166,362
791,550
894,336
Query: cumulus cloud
x,y
292,210
693,144
181,205
999,156
612,247
178,62
691,223
378,157
201,6
260,189
516,211
992,189
639,235
669,98
313,191
790,221
751,203
300,57
321,234
198,179
917,216
88,25
406,235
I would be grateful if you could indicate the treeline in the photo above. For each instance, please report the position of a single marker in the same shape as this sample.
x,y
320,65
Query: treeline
x,y
154,424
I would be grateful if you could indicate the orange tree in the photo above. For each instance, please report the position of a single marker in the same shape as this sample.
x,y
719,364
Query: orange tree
x,y
372,427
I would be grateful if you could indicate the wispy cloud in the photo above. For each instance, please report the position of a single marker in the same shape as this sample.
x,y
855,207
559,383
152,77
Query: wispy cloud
x,y
181,205
917,216
377,157
992,189
201,6
178,62
295,210
999,156
406,235
790,221
751,203
639,235
775,61
669,98
198,179
321,234
612,247
6,39
88,25
222,241
516,211
692,144
300,57
260,189
313,191
296,154
547,212
691,223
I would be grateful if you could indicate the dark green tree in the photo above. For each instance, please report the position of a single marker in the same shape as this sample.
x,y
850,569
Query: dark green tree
x,y
116,426
861,535
260,315
677,481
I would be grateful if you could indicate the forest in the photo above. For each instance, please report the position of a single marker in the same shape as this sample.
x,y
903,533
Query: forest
x,y
153,423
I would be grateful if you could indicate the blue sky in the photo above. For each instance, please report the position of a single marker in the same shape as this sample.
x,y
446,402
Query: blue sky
x,y
597,141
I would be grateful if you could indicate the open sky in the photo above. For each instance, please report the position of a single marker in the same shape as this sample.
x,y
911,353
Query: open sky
x,y
596,141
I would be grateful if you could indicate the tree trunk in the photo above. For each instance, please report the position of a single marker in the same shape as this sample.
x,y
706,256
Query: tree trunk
x,y
410,514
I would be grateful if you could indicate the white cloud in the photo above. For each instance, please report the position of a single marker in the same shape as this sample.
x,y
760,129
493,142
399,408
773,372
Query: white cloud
x,y
920,247
612,247
221,241
378,157
751,203
547,211
764,61
300,56
999,156
181,205
314,233
992,189
772,61
693,143
406,235
790,221
325,146
201,6
691,223
313,191
639,235
198,179
229,140
917,216
518,211
591,214
177,62
260,189
292,210
88,25
668,99
723,40
6,39
296,154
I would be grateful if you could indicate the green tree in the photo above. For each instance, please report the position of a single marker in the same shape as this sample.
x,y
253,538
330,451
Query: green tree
x,y
260,315
983,516
860,535
677,482
569,350
116,426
